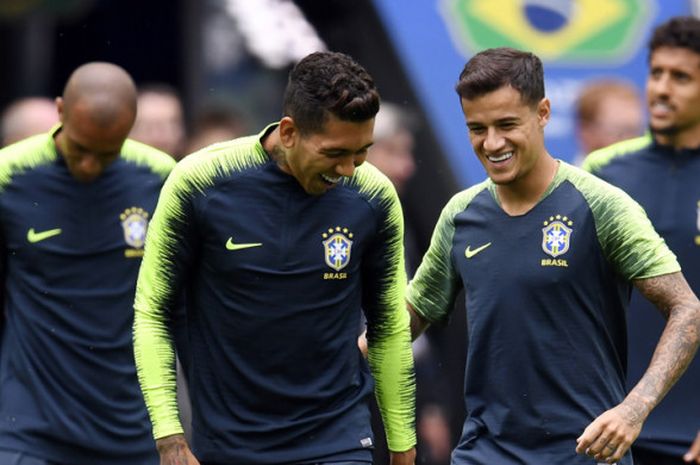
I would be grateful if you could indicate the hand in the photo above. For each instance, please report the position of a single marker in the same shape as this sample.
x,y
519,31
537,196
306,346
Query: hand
x,y
693,454
609,437
362,343
174,450
403,458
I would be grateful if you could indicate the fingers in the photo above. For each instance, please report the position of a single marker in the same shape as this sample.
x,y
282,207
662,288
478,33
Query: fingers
x,y
606,439
693,454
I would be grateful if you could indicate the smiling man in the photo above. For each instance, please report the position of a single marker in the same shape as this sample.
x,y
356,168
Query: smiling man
x,y
74,208
279,241
546,255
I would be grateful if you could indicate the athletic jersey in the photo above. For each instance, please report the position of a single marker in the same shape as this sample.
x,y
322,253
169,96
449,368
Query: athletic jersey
x,y
71,252
667,184
546,295
275,279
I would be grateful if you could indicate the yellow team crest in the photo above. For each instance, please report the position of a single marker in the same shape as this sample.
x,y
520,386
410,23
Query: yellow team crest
x,y
134,223
337,247
556,235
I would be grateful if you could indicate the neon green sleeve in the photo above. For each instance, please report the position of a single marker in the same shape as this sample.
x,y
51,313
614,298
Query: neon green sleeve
x,y
388,326
432,291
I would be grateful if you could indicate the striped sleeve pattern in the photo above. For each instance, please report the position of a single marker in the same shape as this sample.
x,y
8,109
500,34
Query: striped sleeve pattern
x,y
167,250
432,291
625,233
389,339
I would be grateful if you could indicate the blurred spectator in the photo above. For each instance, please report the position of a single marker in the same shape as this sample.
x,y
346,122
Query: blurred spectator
x,y
26,117
160,120
392,151
607,111
215,122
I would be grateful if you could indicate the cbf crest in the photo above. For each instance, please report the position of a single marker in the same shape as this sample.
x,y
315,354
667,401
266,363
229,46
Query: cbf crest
x,y
556,235
337,248
134,224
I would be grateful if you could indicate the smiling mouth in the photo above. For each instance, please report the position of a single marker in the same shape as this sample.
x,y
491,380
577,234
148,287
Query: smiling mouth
x,y
499,158
331,180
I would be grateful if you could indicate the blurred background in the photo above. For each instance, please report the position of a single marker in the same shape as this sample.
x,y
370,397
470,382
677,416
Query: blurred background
x,y
225,63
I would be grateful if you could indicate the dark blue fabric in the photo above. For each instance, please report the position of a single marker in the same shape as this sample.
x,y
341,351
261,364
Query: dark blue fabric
x,y
667,184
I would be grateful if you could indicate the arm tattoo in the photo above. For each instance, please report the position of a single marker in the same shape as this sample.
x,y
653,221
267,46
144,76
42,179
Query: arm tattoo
x,y
678,343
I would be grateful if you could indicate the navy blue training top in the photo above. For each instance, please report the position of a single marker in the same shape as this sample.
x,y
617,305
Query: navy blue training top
x,y
71,254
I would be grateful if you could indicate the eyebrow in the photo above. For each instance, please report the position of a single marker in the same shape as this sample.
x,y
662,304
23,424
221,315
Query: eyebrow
x,y
342,150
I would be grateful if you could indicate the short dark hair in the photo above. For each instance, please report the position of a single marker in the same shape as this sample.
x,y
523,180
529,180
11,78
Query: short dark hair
x,y
493,68
326,83
680,31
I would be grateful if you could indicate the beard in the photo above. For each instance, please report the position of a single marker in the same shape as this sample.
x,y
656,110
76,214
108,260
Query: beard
x,y
671,130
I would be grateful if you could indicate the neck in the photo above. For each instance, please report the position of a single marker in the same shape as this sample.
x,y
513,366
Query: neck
x,y
521,195
273,146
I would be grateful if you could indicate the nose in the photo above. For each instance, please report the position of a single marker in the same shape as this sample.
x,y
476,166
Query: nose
x,y
346,166
493,141
659,84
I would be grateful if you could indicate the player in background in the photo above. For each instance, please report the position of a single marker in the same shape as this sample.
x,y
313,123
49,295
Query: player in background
x,y
75,204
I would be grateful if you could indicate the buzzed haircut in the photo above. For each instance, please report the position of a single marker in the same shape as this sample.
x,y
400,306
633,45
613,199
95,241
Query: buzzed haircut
x,y
680,31
325,83
494,68
105,87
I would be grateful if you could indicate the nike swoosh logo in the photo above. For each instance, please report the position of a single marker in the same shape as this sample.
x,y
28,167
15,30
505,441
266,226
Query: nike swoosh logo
x,y
33,236
470,253
230,245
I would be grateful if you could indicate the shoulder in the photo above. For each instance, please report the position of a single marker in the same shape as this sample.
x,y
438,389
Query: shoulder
x,y
144,155
599,159
461,200
221,160
26,155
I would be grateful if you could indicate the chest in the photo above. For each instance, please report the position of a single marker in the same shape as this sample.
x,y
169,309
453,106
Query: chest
x,y
276,230
50,219
551,246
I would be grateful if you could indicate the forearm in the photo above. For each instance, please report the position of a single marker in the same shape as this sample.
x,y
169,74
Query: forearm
x,y
391,358
155,364
677,345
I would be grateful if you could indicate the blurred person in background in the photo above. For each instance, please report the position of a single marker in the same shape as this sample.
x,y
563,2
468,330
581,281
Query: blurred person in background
x,y
607,111
160,119
215,122
26,117
75,204
280,241
662,172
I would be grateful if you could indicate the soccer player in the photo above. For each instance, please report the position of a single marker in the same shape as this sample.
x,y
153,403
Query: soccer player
x,y
278,240
546,254
662,172
74,207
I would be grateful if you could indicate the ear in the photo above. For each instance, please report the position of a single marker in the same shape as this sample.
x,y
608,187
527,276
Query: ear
x,y
289,133
59,108
544,111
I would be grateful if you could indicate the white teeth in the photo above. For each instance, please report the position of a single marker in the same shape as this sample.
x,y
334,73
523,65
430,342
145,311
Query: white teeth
x,y
497,158
331,180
